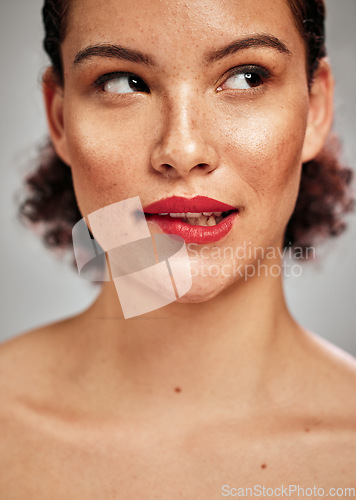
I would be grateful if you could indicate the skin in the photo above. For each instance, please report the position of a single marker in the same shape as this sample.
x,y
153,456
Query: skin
x,y
221,387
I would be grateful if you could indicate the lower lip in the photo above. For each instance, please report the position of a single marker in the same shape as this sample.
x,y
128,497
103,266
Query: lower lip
x,y
194,234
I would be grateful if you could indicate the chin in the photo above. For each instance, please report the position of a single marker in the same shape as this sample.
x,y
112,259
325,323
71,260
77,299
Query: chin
x,y
203,290
195,298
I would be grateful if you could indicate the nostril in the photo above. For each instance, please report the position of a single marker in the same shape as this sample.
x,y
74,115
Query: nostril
x,y
205,167
166,167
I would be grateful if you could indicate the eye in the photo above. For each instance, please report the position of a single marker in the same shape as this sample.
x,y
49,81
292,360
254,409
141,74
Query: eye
x,y
245,78
121,83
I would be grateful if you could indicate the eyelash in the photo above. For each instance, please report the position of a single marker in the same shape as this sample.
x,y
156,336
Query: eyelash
x,y
263,73
100,82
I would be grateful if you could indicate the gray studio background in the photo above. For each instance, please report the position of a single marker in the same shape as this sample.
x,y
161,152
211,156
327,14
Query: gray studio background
x,y
37,289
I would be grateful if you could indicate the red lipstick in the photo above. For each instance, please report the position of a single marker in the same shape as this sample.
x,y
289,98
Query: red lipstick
x,y
178,204
191,233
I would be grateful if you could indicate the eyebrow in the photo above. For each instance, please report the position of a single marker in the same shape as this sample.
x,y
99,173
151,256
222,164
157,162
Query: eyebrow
x,y
109,50
258,40
112,51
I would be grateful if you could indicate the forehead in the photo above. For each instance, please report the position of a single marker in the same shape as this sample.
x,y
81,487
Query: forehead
x,y
167,27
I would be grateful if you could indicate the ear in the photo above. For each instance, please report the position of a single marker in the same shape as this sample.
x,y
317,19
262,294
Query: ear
x,y
53,94
321,111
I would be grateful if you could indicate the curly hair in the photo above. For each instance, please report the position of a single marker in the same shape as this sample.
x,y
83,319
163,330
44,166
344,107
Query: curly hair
x,y
325,188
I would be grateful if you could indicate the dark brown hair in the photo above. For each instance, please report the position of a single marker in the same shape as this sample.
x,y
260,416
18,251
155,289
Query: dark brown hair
x,y
324,196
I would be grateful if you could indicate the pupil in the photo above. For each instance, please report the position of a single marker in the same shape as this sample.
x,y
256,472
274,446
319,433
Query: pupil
x,y
253,79
137,84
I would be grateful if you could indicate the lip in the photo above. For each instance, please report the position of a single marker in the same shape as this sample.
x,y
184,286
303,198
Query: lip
x,y
179,204
191,233
194,234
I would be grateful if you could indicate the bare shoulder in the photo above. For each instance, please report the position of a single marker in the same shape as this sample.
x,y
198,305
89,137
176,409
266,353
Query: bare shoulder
x,y
28,389
33,381
28,360
22,347
330,376
337,361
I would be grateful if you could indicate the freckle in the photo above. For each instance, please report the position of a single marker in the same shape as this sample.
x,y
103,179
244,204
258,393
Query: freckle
x,y
263,466
306,430
178,389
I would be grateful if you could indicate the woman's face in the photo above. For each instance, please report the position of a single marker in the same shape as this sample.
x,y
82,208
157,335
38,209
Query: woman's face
x,y
190,104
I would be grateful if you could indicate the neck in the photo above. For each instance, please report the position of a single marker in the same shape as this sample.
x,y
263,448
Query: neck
x,y
220,354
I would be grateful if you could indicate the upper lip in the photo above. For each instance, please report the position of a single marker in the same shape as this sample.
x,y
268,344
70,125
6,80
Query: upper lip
x,y
179,204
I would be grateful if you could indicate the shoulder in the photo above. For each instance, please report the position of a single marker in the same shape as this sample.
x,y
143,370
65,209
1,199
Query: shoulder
x,y
28,361
34,381
333,361
331,432
20,351
28,392
329,378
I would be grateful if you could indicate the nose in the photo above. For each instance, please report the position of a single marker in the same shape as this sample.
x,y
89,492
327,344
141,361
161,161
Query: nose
x,y
184,145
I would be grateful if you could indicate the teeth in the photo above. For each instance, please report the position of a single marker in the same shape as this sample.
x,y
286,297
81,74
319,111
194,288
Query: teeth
x,y
193,214
196,221
199,219
211,221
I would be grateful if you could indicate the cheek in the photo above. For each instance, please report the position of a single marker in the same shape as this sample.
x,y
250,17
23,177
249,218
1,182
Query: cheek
x,y
266,148
107,158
